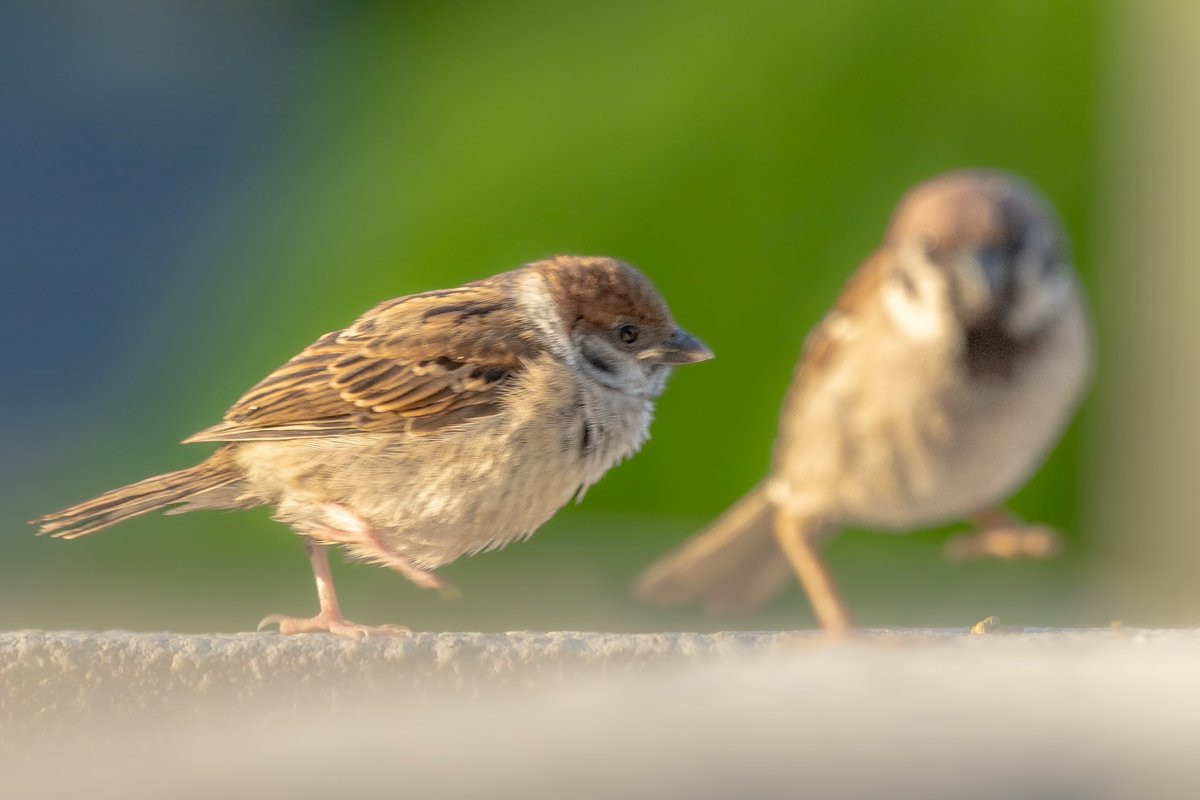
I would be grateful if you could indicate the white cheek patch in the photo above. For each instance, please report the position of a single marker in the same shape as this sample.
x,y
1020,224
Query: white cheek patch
x,y
1041,300
534,298
917,313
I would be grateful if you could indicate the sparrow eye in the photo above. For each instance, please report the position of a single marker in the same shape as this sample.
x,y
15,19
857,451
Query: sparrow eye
x,y
628,333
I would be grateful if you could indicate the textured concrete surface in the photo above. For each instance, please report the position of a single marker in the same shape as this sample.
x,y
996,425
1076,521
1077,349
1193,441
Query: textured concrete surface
x,y
1064,714
54,682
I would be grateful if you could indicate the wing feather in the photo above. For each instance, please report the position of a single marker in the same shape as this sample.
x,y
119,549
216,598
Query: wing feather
x,y
417,363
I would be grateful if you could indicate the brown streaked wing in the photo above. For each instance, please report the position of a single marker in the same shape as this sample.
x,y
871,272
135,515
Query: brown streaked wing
x,y
417,363
823,342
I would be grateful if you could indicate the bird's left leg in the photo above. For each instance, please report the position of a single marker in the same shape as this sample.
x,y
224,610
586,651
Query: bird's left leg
x,y
1002,534
349,529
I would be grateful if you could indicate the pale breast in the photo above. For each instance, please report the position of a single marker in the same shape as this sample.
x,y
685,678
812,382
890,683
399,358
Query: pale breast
x,y
960,446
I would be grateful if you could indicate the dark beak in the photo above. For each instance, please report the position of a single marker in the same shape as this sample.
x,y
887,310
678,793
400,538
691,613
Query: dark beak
x,y
679,348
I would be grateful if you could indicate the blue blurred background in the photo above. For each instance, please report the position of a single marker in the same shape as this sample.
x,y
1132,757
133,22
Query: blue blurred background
x,y
192,193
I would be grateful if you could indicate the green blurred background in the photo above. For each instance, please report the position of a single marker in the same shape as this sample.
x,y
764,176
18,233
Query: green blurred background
x,y
201,190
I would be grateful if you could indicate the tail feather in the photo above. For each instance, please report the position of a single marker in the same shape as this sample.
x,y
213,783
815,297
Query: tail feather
x,y
184,486
734,565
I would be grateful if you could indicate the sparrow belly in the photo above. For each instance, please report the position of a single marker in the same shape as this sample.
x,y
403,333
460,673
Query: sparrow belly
x,y
431,498
971,445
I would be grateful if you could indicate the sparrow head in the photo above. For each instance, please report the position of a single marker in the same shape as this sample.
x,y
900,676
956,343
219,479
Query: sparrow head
x,y
620,330
984,247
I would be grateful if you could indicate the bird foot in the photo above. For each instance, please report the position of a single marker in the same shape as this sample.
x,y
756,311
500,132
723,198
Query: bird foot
x,y
330,623
1005,542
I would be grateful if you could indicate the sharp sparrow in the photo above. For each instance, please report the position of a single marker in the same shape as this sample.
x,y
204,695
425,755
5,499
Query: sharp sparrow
x,y
436,426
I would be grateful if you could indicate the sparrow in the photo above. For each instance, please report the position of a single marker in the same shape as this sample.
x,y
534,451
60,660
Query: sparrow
x,y
937,385
437,425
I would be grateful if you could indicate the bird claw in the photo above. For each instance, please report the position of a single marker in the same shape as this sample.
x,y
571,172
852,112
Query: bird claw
x,y
336,625
1005,542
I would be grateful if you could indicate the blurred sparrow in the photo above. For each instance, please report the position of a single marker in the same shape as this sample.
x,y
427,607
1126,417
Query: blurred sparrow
x,y
948,369
436,426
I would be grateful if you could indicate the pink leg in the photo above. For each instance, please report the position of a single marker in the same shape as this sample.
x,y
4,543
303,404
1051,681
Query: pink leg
x,y
330,616
1001,534
800,542
354,531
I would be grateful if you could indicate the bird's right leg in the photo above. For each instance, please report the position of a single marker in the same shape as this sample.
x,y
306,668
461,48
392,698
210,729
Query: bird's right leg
x,y
801,543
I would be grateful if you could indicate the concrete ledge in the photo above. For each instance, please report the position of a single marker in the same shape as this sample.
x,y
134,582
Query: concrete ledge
x,y
40,669
1093,714
57,684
